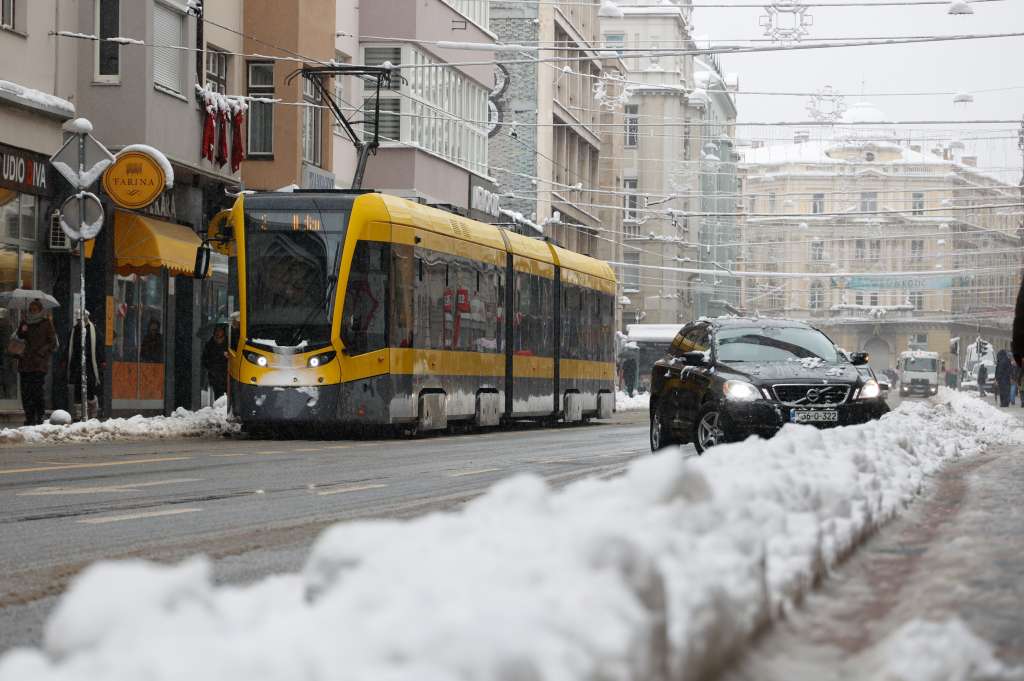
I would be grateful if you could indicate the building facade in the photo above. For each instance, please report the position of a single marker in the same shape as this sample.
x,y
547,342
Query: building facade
x,y
433,118
288,143
905,246
545,148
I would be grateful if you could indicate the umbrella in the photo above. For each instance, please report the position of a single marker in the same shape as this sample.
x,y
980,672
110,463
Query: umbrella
x,y
21,298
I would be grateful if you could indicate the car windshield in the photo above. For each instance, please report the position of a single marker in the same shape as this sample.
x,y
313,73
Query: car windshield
x,y
774,344
921,364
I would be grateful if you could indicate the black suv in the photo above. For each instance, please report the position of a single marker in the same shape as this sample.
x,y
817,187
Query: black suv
x,y
724,379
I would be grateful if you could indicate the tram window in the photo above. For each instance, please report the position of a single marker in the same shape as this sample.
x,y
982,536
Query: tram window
x,y
364,316
404,267
533,321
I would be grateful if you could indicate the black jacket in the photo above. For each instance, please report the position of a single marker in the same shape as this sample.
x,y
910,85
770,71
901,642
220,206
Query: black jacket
x,y
214,360
1017,344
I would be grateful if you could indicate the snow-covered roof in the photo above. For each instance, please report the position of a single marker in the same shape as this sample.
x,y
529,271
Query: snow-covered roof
x,y
652,333
817,151
35,99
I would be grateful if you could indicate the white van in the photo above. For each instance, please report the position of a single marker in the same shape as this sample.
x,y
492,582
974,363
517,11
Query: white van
x,y
920,372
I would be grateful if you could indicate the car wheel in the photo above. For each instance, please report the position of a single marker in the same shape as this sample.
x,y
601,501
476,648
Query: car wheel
x,y
661,434
710,429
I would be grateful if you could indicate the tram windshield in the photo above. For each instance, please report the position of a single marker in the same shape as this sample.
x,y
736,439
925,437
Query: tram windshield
x,y
292,259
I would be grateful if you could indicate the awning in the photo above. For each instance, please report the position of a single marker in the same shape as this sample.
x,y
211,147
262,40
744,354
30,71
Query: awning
x,y
144,245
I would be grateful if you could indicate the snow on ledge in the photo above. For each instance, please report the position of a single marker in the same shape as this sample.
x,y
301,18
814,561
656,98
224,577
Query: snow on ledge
x,y
209,421
663,572
36,99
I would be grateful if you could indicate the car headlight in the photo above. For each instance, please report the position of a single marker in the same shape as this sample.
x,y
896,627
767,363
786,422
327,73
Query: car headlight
x,y
258,360
741,391
321,359
870,390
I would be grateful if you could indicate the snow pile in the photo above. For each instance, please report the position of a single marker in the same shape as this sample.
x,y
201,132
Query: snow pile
x,y
36,99
937,651
638,401
209,421
663,572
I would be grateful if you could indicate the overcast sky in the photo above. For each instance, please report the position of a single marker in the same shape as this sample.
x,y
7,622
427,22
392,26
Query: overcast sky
x,y
967,65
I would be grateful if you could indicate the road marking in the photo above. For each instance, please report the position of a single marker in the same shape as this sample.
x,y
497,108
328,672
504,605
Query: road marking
x,y
132,487
69,466
137,516
481,471
351,488
266,453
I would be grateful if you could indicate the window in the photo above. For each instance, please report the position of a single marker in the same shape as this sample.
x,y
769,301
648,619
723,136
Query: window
x,y
631,271
168,29
364,315
868,202
632,204
632,125
312,124
377,56
390,120
818,203
615,41
771,202
817,298
917,300
107,55
919,339
217,69
916,249
917,203
859,299
339,91
7,14
860,250
261,114
817,251
874,300
876,249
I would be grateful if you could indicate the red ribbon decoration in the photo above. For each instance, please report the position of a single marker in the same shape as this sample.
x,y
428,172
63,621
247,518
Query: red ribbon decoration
x,y
222,141
209,133
237,143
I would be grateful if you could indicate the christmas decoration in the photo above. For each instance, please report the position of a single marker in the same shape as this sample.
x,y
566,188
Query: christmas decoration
x,y
223,116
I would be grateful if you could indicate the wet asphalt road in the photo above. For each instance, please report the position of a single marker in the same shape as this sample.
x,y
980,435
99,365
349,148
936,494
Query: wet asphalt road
x,y
255,506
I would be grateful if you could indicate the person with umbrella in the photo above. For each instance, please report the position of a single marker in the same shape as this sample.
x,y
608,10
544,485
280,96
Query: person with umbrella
x,y
40,340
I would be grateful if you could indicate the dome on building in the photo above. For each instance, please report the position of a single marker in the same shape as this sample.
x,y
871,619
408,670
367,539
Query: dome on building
x,y
862,112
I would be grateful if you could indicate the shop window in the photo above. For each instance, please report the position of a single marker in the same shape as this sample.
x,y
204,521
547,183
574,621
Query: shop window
x,y
138,342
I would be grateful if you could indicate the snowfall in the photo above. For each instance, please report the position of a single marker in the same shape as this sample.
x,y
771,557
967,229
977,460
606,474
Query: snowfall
x,y
663,572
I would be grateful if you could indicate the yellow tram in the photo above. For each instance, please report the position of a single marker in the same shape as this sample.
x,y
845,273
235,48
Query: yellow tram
x,y
363,309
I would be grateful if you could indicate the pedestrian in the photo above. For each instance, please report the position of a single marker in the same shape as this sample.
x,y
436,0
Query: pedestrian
x,y
215,361
1014,383
1020,384
94,363
152,348
40,339
1017,340
982,378
1004,375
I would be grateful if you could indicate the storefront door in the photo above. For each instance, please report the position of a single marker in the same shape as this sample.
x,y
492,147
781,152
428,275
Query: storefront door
x,y
17,270
138,344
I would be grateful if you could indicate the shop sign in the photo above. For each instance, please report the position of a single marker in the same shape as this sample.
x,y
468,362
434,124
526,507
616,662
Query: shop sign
x,y
24,171
484,202
316,178
134,181
900,283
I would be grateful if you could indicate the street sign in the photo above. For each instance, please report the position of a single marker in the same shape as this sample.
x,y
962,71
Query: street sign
x,y
96,159
82,209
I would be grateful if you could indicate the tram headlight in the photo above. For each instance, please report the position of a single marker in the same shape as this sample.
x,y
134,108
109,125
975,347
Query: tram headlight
x,y
258,360
321,359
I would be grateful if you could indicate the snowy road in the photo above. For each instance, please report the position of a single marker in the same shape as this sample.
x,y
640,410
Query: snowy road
x,y
255,506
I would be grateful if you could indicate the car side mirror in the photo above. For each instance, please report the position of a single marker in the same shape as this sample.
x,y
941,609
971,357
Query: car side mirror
x,y
859,358
202,266
695,357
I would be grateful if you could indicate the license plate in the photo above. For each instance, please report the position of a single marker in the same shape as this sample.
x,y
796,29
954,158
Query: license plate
x,y
813,415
